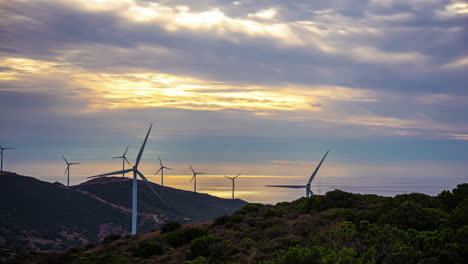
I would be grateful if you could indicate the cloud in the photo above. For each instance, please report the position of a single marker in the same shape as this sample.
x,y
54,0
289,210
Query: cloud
x,y
318,71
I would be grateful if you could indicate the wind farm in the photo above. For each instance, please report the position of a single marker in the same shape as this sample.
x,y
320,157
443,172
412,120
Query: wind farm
x,y
253,132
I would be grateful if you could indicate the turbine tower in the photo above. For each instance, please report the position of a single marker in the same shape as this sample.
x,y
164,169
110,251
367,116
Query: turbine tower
x,y
1,156
194,177
233,180
67,171
161,168
124,159
135,183
307,186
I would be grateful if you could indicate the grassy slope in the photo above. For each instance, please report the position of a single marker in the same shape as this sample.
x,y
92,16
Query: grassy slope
x,y
338,227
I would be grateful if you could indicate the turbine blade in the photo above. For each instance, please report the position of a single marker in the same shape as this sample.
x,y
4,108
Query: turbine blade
x,y
142,147
151,187
237,175
9,148
74,163
118,157
287,186
64,158
158,171
316,169
120,172
167,168
228,177
125,158
125,152
201,173
66,170
191,168
160,162
193,177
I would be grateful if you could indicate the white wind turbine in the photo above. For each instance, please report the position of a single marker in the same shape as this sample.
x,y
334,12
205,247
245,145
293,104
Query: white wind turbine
x,y
1,155
124,159
135,183
307,186
67,171
161,168
233,179
194,177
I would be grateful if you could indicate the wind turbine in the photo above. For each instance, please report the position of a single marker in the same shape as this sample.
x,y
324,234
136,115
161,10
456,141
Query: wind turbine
x,y
233,180
161,168
67,171
194,177
124,158
307,186
1,154
135,182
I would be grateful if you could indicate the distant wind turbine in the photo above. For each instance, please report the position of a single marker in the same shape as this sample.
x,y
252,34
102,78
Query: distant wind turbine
x,y
307,186
135,183
161,168
124,159
233,179
1,154
194,177
67,171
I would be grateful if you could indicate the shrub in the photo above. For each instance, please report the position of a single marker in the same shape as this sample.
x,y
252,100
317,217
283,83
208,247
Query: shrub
x,y
183,236
110,238
147,248
342,214
274,212
202,246
459,216
169,227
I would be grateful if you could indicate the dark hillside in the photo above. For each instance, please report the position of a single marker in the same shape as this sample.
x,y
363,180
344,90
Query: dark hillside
x,y
40,215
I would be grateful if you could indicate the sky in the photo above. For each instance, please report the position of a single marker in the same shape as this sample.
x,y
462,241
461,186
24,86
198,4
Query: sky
x,y
259,87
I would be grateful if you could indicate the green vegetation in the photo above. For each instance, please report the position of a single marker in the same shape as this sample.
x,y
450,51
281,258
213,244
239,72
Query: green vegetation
x,y
337,227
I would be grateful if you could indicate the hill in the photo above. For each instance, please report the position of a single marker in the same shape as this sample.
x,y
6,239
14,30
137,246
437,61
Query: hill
x,y
337,227
42,216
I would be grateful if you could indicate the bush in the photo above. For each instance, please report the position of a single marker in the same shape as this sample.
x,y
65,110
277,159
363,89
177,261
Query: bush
x,y
110,238
342,215
202,246
274,212
147,248
183,236
412,215
459,216
169,227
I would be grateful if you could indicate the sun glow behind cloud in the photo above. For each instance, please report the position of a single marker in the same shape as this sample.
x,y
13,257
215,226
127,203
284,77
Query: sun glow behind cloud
x,y
136,89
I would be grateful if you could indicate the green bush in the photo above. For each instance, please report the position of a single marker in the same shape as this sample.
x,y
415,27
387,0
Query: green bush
x,y
183,236
274,212
459,216
342,214
169,227
412,215
202,246
147,248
